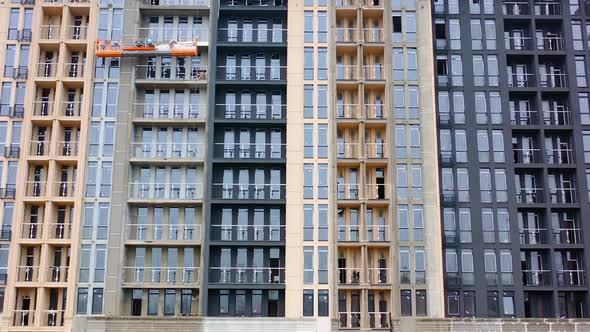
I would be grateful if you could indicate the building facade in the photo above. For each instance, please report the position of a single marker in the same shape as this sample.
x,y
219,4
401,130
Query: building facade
x,y
306,165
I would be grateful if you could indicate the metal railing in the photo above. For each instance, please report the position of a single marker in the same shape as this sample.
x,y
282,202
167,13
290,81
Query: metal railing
x,y
39,148
516,7
349,275
252,111
375,150
545,8
28,273
190,151
349,319
348,150
23,318
378,233
533,236
165,35
161,275
254,3
349,233
349,3
252,73
347,72
65,188
175,2
241,191
550,43
527,156
35,188
172,73
563,195
57,273
43,108
67,148
518,43
76,32
46,69
557,118
571,277
247,232
553,80
536,277
374,72
373,35
164,232
50,32
73,70
379,320
179,112
31,230
247,275
560,156
379,275
568,236
165,191
70,108
530,195
345,35
521,80
52,317
59,231
254,35
250,150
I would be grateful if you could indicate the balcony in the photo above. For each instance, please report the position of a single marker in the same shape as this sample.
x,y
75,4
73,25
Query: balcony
x,y
378,233
516,8
247,232
553,80
350,191
562,195
356,112
571,277
58,231
560,156
567,236
43,108
374,73
518,43
536,278
349,276
527,156
349,233
67,149
247,275
165,112
171,73
168,151
349,320
252,73
23,317
27,274
373,35
550,43
65,188
39,148
545,8
379,275
345,35
247,36
166,191
534,236
254,3
200,3
376,150
252,111
346,72
46,70
250,150
50,32
161,232
31,231
166,276
557,117
52,317
57,274
73,70
35,188
76,32
245,191
372,4
349,3
521,80
379,320
165,35
530,195
348,150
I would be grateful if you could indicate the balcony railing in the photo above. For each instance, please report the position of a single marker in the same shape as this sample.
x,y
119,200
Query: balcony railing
x,y
518,43
161,275
379,320
345,35
76,32
553,80
162,232
346,72
372,4
374,112
374,72
57,274
550,43
171,73
557,118
560,156
536,277
73,70
378,233
521,80
258,35
247,275
52,317
247,232
348,3
65,188
46,69
254,3
35,188
373,35
59,231
28,273
530,195
31,231
349,319
39,148
568,236
543,8
165,35
50,32
23,317
43,108
527,156
188,151
252,73
166,191
379,275
252,111
571,277
349,233
67,148
243,191
348,150
375,150
516,8
350,191
164,112
204,3
533,236
250,150
70,108
562,195
349,275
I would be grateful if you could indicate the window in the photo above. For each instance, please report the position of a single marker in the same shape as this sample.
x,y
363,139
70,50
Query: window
x,y
308,101
153,302
490,267
322,63
323,303
308,181
406,302
308,222
322,141
308,27
323,181
452,303
404,264
185,302
468,303
82,305
508,303
322,27
308,63
308,140
169,302
322,101
322,222
308,265
421,303
240,303
308,302
322,265
467,266
493,309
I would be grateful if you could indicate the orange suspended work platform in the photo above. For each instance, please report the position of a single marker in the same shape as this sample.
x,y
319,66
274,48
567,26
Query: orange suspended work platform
x,y
114,49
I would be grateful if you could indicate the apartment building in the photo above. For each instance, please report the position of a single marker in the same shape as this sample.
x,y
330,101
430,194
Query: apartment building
x,y
309,165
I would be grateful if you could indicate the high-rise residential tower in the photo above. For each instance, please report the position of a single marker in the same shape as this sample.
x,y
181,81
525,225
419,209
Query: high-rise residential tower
x,y
300,165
